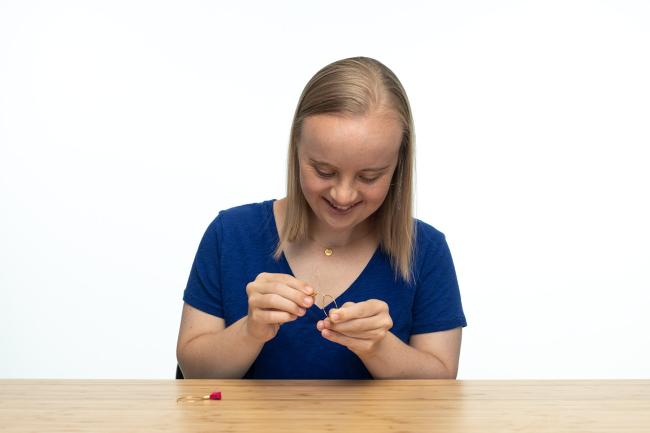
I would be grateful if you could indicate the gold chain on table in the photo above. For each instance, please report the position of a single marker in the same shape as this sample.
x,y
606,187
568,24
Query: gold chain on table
x,y
216,395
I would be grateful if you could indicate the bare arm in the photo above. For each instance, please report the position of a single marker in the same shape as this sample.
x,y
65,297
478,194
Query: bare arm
x,y
433,355
363,328
207,349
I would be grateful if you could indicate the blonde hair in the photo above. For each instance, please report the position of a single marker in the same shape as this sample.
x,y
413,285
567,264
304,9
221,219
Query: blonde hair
x,y
358,86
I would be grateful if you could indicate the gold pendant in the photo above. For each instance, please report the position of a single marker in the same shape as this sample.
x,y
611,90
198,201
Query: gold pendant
x,y
328,252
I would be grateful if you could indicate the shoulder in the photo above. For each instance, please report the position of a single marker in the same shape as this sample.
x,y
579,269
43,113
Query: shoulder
x,y
427,236
430,248
244,214
245,219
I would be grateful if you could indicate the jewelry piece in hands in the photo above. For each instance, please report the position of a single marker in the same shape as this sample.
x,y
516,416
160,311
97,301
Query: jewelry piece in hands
x,y
316,293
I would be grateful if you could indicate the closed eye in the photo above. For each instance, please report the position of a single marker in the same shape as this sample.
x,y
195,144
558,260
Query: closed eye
x,y
325,175
329,175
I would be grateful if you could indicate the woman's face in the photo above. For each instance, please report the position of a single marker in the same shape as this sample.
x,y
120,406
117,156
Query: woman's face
x,y
346,165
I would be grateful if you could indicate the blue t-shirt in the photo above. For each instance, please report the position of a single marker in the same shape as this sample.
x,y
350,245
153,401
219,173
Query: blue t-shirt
x,y
239,244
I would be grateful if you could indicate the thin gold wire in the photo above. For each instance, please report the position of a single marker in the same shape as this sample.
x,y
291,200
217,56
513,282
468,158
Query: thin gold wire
x,y
192,398
323,295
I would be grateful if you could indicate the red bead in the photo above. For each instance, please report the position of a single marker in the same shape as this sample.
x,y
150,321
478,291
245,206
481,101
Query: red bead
x,y
215,395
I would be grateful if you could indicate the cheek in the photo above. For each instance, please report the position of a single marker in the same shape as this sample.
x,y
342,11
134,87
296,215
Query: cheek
x,y
309,184
377,193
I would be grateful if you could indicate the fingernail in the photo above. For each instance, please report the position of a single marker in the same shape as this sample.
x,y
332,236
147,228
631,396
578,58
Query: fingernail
x,y
308,301
335,316
309,290
302,311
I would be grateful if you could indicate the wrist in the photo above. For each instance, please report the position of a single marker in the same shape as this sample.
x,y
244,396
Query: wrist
x,y
376,350
251,337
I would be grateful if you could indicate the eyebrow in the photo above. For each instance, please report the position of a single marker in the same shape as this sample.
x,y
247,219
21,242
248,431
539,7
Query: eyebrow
x,y
313,161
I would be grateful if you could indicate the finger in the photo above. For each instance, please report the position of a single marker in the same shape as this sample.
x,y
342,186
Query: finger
x,y
350,311
359,335
289,280
320,325
356,326
354,344
275,301
272,316
279,288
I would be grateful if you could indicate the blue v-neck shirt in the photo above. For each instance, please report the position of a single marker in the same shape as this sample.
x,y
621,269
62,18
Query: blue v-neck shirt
x,y
238,245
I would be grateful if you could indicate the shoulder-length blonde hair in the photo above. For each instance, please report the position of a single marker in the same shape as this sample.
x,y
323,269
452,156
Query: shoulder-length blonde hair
x,y
358,86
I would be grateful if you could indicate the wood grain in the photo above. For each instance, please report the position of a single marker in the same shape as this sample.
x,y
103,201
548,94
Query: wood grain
x,y
318,406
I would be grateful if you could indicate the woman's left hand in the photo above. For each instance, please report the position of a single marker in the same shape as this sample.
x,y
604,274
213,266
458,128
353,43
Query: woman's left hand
x,y
360,327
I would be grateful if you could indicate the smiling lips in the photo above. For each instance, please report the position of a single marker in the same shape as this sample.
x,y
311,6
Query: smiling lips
x,y
340,209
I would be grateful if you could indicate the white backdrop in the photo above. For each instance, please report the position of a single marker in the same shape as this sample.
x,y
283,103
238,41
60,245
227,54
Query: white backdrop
x,y
126,126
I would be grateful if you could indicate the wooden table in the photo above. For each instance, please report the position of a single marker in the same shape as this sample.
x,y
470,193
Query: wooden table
x,y
313,406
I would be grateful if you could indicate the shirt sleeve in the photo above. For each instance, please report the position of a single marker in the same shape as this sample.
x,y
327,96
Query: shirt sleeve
x,y
203,290
437,305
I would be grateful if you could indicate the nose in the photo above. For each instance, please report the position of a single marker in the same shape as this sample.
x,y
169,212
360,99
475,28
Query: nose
x,y
343,194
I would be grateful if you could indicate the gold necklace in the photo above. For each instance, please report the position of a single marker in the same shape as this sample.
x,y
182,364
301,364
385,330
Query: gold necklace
x,y
329,251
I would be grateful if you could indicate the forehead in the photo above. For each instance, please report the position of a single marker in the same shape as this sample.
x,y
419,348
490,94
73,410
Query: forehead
x,y
342,140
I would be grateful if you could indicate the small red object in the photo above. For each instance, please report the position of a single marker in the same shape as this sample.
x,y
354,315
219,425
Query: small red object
x,y
215,395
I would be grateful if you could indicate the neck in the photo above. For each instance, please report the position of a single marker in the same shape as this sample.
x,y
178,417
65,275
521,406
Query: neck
x,y
328,238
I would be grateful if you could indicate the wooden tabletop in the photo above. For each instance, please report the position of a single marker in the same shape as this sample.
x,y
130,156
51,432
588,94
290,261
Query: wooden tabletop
x,y
313,406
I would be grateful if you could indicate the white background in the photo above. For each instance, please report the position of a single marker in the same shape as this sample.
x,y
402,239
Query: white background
x,y
126,126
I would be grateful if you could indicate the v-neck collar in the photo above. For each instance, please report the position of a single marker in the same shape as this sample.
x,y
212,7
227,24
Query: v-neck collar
x,y
340,300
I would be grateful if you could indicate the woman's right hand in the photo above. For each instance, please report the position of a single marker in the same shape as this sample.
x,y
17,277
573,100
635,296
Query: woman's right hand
x,y
274,299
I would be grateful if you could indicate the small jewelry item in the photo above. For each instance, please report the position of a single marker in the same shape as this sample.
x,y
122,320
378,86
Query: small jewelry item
x,y
212,396
330,251
316,293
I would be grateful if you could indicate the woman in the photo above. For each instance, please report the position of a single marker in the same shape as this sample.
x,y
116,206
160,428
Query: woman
x,y
337,280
